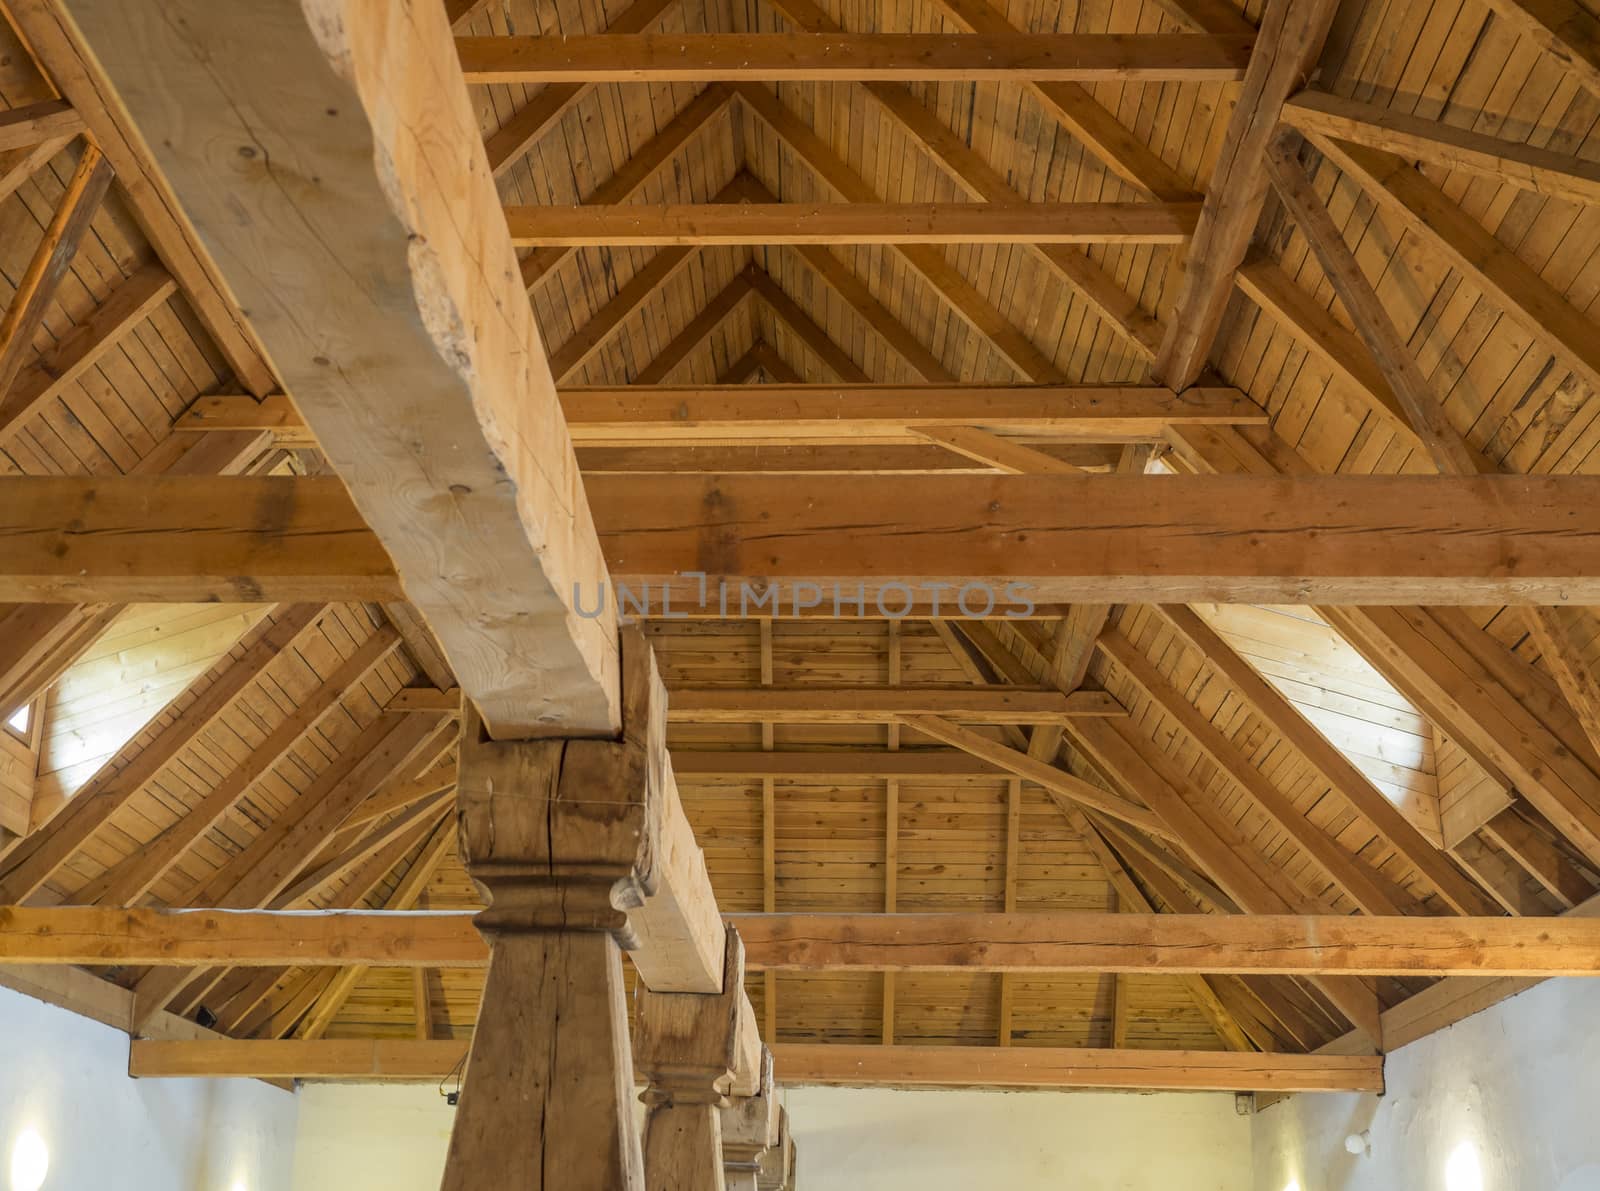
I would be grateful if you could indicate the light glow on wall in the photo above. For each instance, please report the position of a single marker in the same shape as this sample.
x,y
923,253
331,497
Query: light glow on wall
x,y
1463,1172
30,1161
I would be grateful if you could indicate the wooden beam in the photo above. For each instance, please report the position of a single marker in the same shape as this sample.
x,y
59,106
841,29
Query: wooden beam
x,y
807,704
1423,412
51,259
402,898
568,360
1132,899
125,883
1366,540
77,351
1287,48
126,544
636,225
19,165
1359,881
792,315
1355,540
345,1058
1247,944
38,123
894,57
840,1065
699,114
36,860
1083,116
852,412
1056,782
1002,454
1543,171
396,313
814,460
1346,780
61,47
717,311
1503,277
832,766
797,1064
511,142
963,298
1264,282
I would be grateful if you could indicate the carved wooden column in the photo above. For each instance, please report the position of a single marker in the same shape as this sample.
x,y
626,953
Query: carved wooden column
x,y
749,1129
560,838
778,1163
687,1047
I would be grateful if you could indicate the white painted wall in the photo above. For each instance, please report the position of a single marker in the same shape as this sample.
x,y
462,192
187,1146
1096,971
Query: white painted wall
x,y
848,1139
395,1137
1519,1084
65,1078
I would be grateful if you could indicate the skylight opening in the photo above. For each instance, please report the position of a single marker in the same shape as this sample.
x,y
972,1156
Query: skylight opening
x,y
20,719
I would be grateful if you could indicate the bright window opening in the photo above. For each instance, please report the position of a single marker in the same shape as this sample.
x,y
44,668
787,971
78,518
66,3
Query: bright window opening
x,y
20,719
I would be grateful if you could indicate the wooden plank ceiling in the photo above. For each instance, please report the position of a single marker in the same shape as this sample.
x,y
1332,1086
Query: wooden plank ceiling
x,y
1305,761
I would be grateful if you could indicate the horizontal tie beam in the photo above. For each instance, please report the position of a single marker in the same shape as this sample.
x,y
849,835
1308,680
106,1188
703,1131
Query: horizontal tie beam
x,y
857,57
639,225
1064,942
754,546
846,1066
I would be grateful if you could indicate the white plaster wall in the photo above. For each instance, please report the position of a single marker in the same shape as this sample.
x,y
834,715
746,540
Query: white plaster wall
x,y
395,1137
65,1077
1519,1083
849,1139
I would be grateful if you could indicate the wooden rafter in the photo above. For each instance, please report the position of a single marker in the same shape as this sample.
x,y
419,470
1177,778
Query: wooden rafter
x,y
513,140
962,296
82,80
51,259
1287,47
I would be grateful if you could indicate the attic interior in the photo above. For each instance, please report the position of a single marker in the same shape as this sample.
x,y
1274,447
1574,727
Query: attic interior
x,y
799,593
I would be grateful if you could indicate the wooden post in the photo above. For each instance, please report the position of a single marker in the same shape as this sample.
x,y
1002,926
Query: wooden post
x,y
749,1130
562,837
687,1046
778,1164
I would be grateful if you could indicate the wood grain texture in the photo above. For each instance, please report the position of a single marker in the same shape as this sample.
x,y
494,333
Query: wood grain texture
x,y
394,311
780,57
